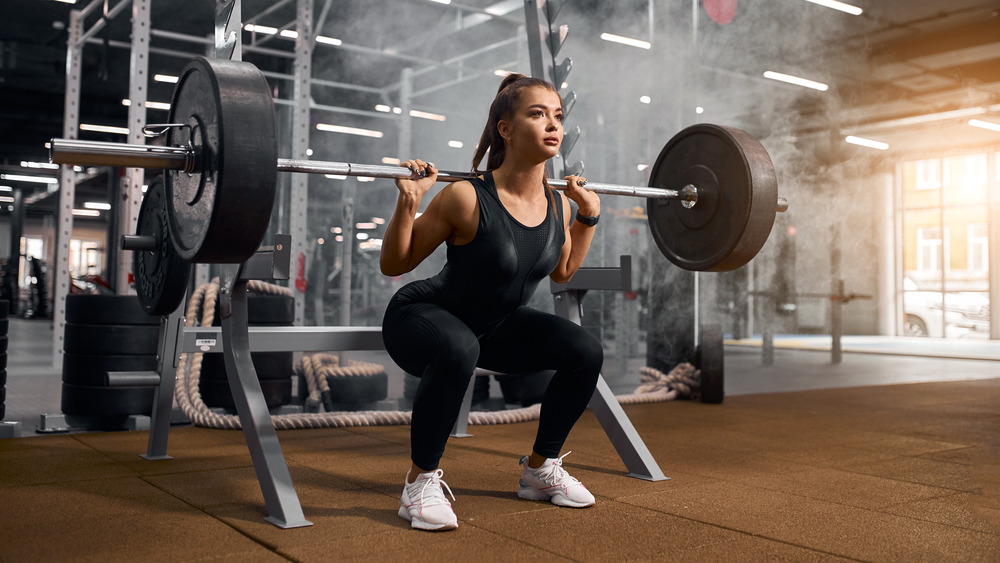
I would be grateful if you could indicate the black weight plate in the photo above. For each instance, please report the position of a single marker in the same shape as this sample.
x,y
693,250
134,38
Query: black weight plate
x,y
3,402
85,400
359,389
3,343
86,369
4,308
3,377
111,340
3,360
216,393
160,275
710,359
221,211
107,309
265,310
268,365
737,198
4,326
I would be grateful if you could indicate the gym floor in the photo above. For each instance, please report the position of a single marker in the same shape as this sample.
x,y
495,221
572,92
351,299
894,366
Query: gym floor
x,y
893,454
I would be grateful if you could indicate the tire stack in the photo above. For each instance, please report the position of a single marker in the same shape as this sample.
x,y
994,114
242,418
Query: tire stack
x,y
107,333
4,306
274,369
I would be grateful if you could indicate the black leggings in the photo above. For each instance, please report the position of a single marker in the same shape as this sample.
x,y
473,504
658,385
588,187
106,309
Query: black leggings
x,y
431,343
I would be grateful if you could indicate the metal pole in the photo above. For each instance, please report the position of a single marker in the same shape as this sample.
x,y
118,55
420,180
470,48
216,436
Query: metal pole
x,y
67,186
131,188
405,141
299,204
993,234
837,301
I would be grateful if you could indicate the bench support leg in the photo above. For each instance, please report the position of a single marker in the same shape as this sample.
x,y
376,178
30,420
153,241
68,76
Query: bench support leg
x,y
283,507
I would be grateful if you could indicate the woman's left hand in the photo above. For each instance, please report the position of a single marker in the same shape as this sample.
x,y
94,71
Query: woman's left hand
x,y
588,202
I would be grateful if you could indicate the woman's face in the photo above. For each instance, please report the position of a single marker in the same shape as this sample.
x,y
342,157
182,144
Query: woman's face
x,y
535,128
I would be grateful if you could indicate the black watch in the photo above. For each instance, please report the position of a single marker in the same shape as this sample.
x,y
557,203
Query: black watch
x,y
589,221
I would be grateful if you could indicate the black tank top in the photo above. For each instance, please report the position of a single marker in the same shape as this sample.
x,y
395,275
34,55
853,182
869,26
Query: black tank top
x,y
489,277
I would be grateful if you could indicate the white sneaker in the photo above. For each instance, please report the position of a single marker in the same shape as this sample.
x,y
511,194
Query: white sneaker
x,y
551,482
423,502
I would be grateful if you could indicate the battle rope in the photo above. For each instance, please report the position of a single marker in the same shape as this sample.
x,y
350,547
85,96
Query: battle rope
x,y
655,385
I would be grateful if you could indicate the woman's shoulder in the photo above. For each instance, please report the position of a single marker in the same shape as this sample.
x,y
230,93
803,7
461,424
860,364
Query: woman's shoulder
x,y
459,196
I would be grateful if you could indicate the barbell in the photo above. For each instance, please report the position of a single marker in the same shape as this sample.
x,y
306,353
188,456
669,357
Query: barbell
x,y
711,199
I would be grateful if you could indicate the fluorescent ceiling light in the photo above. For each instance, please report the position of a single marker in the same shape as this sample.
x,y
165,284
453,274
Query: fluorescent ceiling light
x,y
383,108
339,238
504,8
166,78
366,179
349,130
378,220
366,225
336,176
67,1
626,41
796,80
426,115
86,213
645,99
699,110
48,165
362,236
853,10
6,189
6,199
32,179
103,128
290,33
97,205
503,73
641,167
446,2
861,141
456,144
268,30
328,40
151,105
985,125
390,160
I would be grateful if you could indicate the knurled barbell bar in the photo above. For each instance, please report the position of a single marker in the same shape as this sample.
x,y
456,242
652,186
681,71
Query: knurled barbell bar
x,y
711,201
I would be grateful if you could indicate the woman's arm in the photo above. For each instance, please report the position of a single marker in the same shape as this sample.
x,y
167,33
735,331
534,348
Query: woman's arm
x,y
409,239
578,235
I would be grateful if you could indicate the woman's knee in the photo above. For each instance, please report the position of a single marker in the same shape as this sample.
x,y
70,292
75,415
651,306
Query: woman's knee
x,y
459,350
586,351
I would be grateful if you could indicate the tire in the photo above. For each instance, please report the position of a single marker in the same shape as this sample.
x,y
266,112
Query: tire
x,y
265,310
4,308
3,344
710,359
3,377
359,389
3,402
914,326
4,327
216,393
107,309
525,389
86,400
111,339
268,365
3,360
91,370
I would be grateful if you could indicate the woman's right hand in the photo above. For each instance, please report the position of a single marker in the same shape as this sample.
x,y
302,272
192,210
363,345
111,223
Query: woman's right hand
x,y
417,185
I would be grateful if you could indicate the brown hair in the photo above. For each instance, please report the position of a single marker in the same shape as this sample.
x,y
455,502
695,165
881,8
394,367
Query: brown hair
x,y
508,95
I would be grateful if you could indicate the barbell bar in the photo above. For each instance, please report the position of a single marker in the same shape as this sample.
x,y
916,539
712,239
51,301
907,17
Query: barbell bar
x,y
100,153
711,201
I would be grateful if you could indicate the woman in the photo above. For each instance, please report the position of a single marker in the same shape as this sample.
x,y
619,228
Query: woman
x,y
505,231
